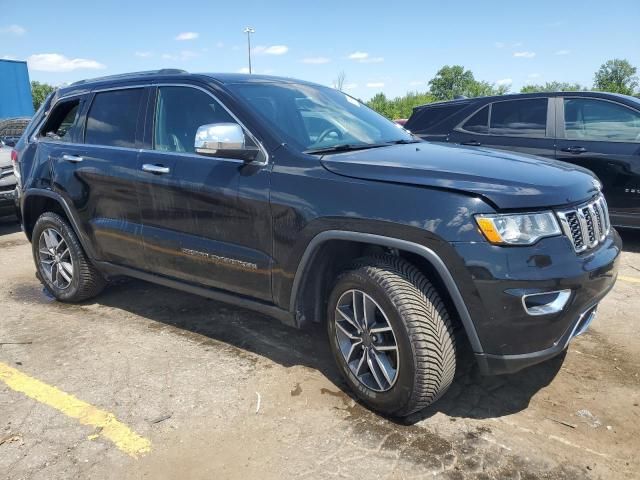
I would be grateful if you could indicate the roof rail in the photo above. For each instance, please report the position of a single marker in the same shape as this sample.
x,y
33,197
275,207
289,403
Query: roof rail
x,y
162,71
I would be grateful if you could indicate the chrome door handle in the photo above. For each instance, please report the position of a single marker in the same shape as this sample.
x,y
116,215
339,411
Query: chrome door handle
x,y
72,158
159,169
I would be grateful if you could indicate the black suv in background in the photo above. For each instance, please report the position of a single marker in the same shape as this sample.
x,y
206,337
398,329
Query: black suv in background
x,y
296,200
596,130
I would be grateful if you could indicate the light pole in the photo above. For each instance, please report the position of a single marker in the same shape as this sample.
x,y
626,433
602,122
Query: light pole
x,y
249,31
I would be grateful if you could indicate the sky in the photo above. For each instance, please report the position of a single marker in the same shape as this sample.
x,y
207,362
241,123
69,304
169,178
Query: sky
x,y
381,46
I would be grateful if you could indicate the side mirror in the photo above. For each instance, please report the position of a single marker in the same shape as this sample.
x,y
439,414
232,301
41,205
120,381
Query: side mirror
x,y
224,140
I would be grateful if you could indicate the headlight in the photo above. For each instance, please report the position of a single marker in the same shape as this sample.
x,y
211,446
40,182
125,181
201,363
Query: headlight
x,y
518,229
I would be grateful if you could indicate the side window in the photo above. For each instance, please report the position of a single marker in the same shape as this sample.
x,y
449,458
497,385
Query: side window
x,y
590,119
179,113
113,118
63,117
479,122
519,117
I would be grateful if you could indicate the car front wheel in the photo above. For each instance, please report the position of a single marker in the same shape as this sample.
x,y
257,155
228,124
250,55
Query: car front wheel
x,y
391,335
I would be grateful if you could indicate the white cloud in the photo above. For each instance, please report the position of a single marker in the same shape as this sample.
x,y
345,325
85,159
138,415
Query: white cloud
x,y
415,83
7,57
13,29
517,44
350,86
143,54
55,62
316,60
358,56
524,54
187,36
244,70
504,81
363,57
563,52
499,44
271,50
375,84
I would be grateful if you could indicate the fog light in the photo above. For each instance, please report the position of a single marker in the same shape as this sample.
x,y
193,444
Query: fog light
x,y
545,303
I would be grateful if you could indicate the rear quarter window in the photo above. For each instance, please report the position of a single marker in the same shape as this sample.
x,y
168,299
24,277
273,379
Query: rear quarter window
x,y
423,120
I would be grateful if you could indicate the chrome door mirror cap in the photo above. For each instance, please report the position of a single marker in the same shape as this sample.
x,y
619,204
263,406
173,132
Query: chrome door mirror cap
x,y
225,140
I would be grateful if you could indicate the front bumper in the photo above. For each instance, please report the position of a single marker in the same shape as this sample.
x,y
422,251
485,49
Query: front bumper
x,y
499,277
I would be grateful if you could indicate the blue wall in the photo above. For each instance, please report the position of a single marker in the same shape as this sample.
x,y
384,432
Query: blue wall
x,y
15,90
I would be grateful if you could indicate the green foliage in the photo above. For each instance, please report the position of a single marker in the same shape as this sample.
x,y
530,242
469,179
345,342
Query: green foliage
x,y
399,107
39,92
553,87
453,81
617,76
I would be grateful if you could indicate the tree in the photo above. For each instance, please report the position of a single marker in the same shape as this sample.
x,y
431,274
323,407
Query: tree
x,y
454,81
399,107
617,76
39,92
450,82
553,87
338,83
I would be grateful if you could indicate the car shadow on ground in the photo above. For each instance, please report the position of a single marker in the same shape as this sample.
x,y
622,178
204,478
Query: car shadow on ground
x,y
630,240
470,396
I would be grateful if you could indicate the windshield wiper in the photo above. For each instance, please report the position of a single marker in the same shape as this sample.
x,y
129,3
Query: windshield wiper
x,y
403,142
346,147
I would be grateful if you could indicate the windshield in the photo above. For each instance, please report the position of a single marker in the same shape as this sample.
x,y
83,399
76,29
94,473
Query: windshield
x,y
312,117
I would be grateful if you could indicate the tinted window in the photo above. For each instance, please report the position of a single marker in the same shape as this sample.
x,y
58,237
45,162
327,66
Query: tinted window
x,y
179,113
478,123
65,115
113,117
425,118
519,117
589,119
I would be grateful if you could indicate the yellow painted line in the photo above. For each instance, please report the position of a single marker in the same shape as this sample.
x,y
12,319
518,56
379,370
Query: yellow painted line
x,y
629,279
122,436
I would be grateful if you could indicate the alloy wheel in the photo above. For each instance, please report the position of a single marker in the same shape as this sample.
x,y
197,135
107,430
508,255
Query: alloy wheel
x,y
55,258
366,340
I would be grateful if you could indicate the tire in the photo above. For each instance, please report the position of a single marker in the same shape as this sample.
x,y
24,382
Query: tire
x,y
424,361
80,283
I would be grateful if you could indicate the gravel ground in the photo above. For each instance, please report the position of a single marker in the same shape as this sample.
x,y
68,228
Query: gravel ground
x,y
222,392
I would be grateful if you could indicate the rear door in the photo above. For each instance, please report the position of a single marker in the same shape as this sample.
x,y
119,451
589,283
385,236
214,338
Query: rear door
x,y
604,136
97,172
206,219
520,125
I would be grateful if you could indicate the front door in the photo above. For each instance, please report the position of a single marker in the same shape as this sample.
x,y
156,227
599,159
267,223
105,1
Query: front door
x,y
604,136
523,126
199,225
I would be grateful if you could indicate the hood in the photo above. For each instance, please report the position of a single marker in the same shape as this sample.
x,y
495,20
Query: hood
x,y
508,180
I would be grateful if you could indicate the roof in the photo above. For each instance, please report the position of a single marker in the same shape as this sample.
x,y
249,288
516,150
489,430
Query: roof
x,y
173,74
515,96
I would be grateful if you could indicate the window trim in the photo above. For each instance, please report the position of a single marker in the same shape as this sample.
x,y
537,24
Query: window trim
x,y
561,133
189,154
548,131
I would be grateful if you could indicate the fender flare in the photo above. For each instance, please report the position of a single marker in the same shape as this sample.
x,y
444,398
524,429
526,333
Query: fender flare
x,y
42,192
428,254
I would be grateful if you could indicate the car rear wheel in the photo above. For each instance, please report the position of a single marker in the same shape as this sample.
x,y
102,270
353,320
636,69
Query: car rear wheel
x,y
391,335
62,265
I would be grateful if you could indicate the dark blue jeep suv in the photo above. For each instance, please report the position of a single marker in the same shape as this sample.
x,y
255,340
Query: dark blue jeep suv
x,y
297,200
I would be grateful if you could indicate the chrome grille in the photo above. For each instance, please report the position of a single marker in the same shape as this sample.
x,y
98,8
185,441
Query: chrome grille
x,y
586,225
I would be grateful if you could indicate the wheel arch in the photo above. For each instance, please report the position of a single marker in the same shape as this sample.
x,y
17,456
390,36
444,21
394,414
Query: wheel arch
x,y
308,283
37,201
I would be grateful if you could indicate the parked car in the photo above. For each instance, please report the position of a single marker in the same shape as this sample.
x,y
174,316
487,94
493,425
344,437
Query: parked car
x,y
10,132
212,184
596,130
